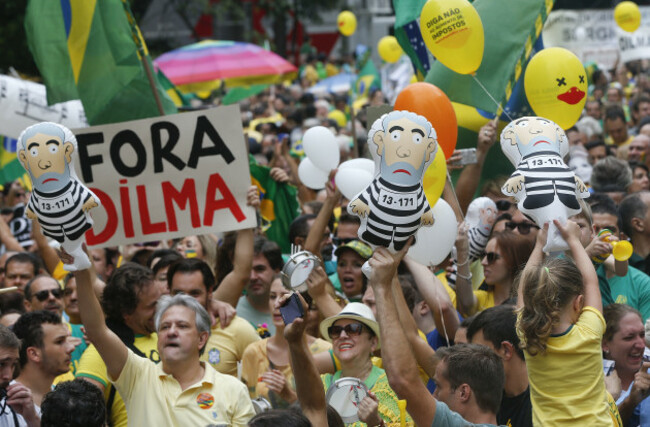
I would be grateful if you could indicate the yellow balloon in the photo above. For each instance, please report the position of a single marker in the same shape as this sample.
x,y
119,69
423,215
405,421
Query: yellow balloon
x,y
389,49
628,16
347,23
453,32
556,85
434,178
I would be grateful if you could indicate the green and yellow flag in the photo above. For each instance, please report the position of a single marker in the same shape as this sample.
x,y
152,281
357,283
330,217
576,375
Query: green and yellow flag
x,y
91,50
279,205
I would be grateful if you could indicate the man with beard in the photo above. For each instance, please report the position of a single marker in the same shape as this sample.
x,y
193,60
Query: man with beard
x,y
17,408
44,353
393,206
129,302
59,201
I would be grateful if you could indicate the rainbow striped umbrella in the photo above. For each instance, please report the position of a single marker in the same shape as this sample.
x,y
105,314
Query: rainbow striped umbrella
x,y
237,63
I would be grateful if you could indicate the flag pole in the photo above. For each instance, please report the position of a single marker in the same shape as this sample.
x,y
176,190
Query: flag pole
x,y
143,54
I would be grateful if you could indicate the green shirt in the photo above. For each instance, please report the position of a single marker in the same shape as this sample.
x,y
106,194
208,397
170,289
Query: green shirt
x,y
632,289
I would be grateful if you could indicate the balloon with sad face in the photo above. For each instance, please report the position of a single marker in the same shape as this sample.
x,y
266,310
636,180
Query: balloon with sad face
x,y
556,86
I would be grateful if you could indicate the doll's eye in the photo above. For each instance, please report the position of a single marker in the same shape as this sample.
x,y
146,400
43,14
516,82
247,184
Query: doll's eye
x,y
53,148
523,123
417,138
395,135
33,152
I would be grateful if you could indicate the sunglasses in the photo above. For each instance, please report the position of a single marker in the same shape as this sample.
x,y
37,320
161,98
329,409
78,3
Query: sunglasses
x,y
503,205
492,257
523,227
351,329
338,241
44,294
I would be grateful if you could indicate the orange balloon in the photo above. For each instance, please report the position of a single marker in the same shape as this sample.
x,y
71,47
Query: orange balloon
x,y
427,100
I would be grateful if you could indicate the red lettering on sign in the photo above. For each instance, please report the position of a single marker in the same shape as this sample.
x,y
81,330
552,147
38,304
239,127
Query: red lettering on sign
x,y
181,198
111,224
147,226
126,212
215,183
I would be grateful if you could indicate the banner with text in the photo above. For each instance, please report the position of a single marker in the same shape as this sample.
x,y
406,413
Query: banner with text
x,y
166,177
594,36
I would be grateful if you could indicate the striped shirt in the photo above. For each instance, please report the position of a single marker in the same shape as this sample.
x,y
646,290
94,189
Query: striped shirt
x,y
60,214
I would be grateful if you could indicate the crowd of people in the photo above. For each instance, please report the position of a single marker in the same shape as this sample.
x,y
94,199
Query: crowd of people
x,y
190,331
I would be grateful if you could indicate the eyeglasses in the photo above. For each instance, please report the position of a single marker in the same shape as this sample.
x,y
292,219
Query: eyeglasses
x,y
44,294
492,257
339,241
503,205
523,227
334,332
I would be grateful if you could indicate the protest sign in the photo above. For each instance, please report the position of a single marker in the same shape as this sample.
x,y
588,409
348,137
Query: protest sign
x,y
24,103
166,177
594,36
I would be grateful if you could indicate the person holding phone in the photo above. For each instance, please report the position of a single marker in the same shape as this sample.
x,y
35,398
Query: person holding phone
x,y
355,336
265,363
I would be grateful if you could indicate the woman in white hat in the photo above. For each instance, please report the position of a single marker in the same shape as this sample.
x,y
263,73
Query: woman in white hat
x,y
354,334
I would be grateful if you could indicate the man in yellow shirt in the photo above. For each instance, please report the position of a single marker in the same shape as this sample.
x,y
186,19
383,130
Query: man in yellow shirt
x,y
225,346
129,301
181,390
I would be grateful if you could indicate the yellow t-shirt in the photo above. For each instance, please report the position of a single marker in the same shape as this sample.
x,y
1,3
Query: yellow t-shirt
x,y
567,385
226,347
92,366
484,299
154,398
255,362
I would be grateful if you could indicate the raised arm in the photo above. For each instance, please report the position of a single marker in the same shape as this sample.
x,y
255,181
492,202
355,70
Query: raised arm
x,y
317,230
46,251
309,387
109,346
231,287
424,354
535,259
317,283
465,298
8,239
471,175
397,356
436,297
571,233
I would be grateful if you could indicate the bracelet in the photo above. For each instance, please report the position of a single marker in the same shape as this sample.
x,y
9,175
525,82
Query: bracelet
x,y
460,264
468,277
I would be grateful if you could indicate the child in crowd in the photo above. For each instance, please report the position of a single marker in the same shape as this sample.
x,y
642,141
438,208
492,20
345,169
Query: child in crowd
x,y
561,325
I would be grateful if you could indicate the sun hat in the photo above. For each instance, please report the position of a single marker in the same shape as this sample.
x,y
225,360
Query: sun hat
x,y
353,311
358,246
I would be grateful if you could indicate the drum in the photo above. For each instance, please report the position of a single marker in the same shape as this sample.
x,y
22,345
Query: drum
x,y
261,405
297,269
344,395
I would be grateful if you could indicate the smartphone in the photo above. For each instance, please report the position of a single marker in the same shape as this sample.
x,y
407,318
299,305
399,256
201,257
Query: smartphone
x,y
468,157
292,309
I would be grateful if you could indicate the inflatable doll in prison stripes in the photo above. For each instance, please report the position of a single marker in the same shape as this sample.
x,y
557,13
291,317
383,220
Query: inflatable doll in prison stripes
x,y
544,186
59,201
394,206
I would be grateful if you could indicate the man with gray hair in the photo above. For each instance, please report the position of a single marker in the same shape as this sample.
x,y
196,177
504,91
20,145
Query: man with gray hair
x,y
181,390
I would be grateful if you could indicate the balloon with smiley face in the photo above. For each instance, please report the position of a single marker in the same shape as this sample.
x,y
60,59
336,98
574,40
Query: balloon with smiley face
x,y
59,201
543,185
556,85
393,207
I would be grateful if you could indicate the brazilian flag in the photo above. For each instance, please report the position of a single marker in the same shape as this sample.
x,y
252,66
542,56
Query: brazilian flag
x,y
279,205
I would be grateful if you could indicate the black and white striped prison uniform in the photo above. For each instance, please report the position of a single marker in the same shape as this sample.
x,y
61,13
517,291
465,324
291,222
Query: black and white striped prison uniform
x,y
395,212
60,214
545,175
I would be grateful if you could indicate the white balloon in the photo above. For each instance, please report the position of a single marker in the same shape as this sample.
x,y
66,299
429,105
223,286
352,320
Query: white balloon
x,y
365,164
433,244
352,181
311,176
321,148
